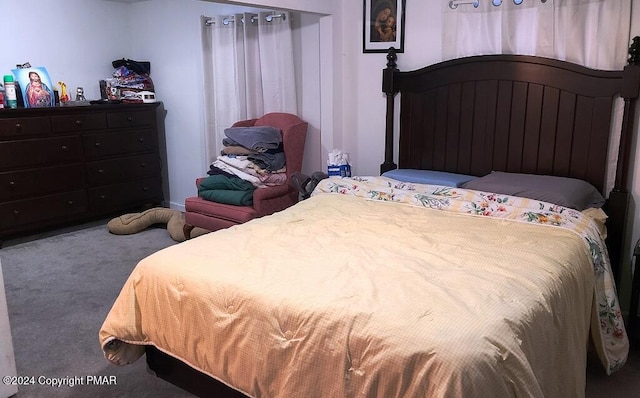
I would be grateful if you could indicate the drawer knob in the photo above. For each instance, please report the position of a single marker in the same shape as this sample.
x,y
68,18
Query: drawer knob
x,y
140,139
78,122
103,196
100,171
16,212
64,148
12,184
143,165
129,119
97,144
18,127
145,189
71,202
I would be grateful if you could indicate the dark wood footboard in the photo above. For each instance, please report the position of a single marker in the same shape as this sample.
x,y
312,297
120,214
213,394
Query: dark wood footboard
x,y
178,373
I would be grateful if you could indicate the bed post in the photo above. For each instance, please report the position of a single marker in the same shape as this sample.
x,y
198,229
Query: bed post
x,y
618,202
388,87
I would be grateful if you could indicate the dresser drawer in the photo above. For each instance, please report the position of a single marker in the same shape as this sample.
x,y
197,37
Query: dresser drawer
x,y
46,151
130,119
125,194
35,182
105,172
20,127
118,143
79,122
43,208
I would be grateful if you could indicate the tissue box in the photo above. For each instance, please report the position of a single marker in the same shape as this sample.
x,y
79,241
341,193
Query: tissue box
x,y
343,170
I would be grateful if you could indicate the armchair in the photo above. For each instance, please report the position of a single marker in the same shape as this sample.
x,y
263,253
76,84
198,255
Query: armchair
x,y
213,216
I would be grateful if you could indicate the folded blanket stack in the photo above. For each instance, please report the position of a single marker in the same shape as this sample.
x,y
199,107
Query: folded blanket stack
x,y
263,145
253,155
222,189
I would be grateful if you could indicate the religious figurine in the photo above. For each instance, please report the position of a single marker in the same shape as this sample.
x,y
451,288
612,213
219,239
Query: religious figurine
x,y
64,96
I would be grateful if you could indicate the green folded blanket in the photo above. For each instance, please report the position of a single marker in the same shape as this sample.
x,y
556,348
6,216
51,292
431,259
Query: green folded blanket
x,y
228,190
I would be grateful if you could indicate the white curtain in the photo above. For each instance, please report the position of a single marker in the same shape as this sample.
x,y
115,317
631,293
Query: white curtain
x,y
248,70
593,33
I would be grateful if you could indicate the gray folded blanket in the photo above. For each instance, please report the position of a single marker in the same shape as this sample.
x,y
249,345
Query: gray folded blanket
x,y
257,138
271,162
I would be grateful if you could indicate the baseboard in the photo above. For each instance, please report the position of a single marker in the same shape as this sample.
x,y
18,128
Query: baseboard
x,y
176,206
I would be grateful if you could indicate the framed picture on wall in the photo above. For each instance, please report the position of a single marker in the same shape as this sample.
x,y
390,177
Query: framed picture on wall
x,y
35,87
383,25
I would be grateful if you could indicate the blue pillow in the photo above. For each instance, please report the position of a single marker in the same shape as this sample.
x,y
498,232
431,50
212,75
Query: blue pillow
x,y
431,177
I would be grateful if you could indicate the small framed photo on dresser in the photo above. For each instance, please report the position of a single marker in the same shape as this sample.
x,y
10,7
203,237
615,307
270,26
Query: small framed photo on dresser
x,y
35,86
383,26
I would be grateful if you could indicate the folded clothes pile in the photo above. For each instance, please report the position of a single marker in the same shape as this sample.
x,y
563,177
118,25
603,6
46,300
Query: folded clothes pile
x,y
263,146
253,155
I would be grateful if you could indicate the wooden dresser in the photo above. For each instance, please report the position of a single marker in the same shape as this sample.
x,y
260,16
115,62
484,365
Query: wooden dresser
x,y
65,165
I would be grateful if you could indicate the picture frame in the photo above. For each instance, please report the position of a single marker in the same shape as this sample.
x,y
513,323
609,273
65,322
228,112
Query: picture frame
x,y
35,86
383,25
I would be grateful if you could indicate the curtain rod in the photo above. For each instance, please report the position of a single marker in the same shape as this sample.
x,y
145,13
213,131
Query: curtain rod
x,y
231,18
453,4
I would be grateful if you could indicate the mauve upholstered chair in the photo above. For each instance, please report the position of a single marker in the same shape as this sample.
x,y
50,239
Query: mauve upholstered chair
x,y
213,216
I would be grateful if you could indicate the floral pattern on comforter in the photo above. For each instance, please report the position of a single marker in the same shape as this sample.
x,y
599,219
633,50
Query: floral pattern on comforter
x,y
610,338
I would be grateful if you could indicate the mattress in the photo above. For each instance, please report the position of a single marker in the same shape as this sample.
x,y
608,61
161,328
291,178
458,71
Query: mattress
x,y
373,287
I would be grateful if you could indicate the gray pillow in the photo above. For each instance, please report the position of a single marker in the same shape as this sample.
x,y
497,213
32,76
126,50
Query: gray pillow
x,y
568,192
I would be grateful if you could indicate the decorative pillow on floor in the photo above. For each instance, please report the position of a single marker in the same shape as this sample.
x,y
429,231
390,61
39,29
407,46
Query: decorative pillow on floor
x,y
135,222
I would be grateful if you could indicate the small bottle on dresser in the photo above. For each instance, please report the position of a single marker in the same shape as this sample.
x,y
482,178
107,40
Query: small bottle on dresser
x,y
11,98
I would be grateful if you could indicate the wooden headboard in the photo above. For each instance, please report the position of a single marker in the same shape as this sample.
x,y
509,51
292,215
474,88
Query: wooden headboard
x,y
516,113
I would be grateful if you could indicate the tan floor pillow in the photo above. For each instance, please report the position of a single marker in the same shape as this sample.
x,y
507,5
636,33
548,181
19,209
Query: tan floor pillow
x,y
135,222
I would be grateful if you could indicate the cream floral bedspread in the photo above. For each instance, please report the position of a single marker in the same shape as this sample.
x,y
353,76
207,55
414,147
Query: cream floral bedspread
x,y
608,331
444,293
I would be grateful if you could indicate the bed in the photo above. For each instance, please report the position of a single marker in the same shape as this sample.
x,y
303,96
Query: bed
x,y
380,287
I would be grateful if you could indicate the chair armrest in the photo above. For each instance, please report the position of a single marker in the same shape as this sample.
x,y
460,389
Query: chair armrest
x,y
199,180
272,199
270,192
